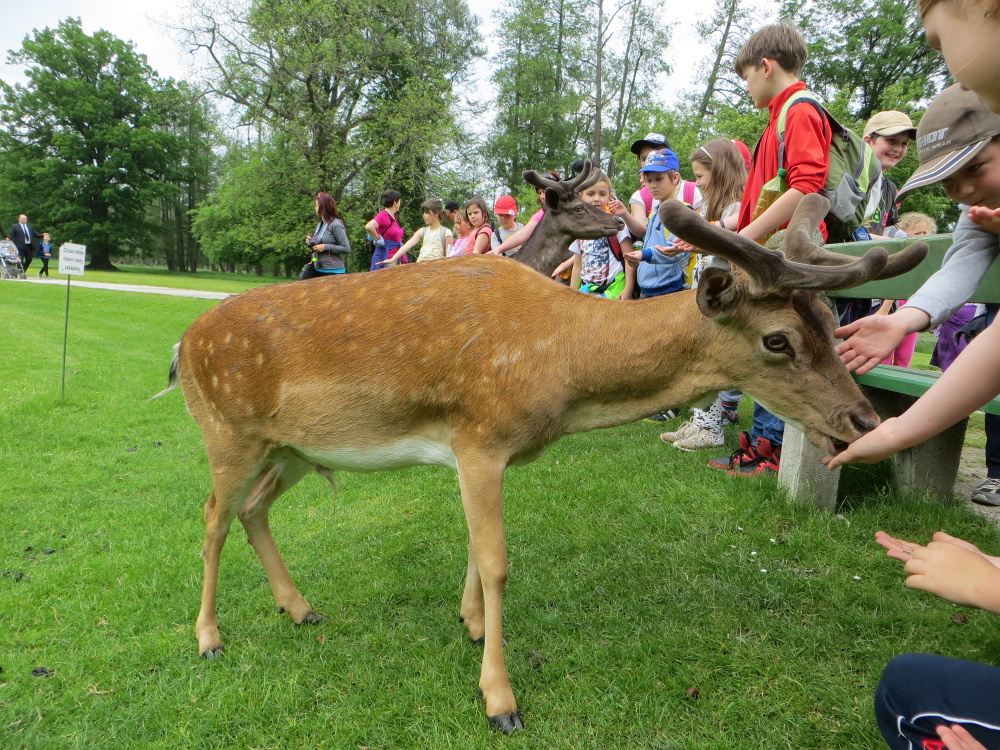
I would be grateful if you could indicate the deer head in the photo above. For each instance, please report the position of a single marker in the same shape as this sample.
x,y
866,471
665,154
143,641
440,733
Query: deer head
x,y
770,301
567,218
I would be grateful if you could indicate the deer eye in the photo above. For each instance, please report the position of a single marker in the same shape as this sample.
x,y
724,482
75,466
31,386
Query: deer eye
x,y
776,342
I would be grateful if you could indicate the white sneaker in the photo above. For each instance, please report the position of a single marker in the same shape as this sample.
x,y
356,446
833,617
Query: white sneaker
x,y
683,431
702,437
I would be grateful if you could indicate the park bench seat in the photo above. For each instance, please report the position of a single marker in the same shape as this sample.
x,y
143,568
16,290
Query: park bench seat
x,y
930,467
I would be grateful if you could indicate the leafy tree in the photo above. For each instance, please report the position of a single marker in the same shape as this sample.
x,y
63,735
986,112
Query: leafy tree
x,y
191,118
360,93
82,143
871,54
540,87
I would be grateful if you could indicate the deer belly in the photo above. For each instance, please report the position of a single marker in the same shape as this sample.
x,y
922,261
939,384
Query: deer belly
x,y
411,451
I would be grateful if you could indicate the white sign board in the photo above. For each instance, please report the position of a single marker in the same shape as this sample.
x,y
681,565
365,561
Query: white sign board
x,y
72,259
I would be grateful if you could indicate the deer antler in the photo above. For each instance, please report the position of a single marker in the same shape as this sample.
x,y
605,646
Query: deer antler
x,y
588,176
799,245
802,265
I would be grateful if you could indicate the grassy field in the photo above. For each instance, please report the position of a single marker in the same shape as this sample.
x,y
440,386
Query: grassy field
x,y
205,281
636,574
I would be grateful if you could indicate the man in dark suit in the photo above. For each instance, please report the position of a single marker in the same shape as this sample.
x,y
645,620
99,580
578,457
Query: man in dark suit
x,y
23,235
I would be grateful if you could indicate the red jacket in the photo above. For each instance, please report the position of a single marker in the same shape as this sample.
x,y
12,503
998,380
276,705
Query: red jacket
x,y
807,152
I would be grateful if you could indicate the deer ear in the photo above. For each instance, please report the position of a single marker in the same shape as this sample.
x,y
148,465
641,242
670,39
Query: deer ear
x,y
718,292
552,198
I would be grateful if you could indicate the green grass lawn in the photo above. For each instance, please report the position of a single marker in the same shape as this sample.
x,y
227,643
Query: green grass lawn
x,y
636,574
204,281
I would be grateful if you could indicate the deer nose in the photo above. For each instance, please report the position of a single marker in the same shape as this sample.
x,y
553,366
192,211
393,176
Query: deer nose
x,y
863,425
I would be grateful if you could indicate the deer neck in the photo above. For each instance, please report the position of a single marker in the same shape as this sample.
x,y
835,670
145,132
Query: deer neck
x,y
635,358
547,247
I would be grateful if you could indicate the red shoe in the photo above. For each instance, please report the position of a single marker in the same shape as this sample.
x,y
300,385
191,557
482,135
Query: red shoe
x,y
745,456
768,461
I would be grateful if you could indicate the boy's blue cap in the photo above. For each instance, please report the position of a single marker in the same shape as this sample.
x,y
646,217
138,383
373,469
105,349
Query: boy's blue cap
x,y
661,161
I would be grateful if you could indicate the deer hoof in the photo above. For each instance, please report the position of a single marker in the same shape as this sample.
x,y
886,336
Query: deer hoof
x,y
312,618
506,723
211,653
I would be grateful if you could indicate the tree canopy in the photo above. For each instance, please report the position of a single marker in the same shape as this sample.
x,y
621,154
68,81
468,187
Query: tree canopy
x,y
84,148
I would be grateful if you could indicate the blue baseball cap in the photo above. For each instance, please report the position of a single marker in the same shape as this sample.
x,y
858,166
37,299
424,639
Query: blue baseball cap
x,y
661,161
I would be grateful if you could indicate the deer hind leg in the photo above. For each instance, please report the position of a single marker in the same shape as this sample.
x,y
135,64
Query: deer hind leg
x,y
472,612
481,478
271,484
232,479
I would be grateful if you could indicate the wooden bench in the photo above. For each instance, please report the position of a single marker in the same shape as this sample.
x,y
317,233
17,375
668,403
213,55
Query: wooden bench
x,y
930,467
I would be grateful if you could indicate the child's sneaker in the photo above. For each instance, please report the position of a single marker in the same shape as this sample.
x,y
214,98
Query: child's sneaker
x,y
768,461
729,414
746,455
688,428
701,419
701,437
662,416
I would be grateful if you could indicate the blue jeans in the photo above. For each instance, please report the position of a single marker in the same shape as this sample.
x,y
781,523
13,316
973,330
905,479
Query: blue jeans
x,y
766,425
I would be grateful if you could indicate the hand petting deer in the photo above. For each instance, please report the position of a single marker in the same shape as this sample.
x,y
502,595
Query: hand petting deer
x,y
344,373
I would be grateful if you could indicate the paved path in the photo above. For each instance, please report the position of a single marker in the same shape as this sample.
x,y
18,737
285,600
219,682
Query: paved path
x,y
134,288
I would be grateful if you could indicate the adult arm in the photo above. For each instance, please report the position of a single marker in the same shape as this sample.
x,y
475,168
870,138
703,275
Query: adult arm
x,y
372,228
334,240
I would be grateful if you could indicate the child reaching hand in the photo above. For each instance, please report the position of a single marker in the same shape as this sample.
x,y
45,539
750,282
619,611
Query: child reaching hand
x,y
435,239
929,701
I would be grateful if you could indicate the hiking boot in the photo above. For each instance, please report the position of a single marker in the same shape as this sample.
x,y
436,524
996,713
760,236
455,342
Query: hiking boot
x,y
768,461
700,438
743,456
988,492
662,416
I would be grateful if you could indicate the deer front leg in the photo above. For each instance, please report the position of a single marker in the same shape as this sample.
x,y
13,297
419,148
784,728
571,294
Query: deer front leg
x,y
472,613
481,479
254,517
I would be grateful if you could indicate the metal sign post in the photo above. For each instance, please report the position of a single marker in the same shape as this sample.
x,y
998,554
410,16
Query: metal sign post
x,y
71,262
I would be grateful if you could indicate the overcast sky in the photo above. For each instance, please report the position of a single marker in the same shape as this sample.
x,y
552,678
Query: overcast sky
x,y
141,23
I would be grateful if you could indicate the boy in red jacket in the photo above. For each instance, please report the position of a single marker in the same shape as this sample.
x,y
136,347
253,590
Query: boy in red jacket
x,y
770,63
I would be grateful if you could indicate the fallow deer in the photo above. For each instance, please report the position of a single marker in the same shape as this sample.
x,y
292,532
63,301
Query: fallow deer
x,y
479,364
567,217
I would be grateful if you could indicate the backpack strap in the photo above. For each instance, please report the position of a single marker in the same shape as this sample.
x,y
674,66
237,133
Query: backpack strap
x,y
798,96
647,199
689,192
616,249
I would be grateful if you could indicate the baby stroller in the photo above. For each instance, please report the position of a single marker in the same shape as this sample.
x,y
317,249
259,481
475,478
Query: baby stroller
x,y
10,261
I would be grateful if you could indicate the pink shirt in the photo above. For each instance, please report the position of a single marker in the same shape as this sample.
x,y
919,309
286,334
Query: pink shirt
x,y
538,215
388,227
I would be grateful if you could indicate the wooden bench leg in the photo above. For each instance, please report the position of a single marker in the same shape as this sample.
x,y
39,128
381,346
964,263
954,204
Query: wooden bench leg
x,y
930,467
802,471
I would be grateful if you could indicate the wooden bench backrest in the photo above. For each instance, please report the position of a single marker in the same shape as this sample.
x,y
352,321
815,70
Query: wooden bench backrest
x,y
903,287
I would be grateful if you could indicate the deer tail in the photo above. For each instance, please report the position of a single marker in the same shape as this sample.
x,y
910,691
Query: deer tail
x,y
174,377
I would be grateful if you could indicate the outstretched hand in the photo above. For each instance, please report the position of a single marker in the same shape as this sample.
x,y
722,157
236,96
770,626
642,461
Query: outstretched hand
x,y
987,218
869,340
633,257
948,567
870,448
669,250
